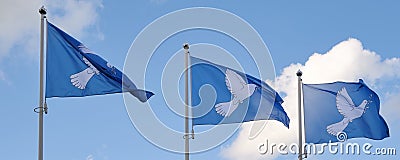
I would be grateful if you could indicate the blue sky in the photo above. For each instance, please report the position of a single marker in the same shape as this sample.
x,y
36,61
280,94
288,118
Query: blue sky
x,y
329,41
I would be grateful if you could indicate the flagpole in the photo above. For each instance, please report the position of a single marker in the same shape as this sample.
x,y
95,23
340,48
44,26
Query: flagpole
x,y
299,74
42,108
186,136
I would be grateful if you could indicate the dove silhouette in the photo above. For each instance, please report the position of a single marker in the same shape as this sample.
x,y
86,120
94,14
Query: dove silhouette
x,y
240,91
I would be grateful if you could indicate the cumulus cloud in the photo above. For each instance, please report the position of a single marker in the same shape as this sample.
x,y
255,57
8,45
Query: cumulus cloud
x,y
391,103
21,21
2,76
158,1
346,61
75,16
100,153
90,157
4,79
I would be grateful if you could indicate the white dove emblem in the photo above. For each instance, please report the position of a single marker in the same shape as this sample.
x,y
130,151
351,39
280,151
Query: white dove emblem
x,y
346,107
240,91
79,80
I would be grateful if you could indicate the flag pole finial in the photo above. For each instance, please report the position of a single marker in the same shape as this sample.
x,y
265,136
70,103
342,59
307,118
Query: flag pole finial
x,y
42,10
186,46
299,73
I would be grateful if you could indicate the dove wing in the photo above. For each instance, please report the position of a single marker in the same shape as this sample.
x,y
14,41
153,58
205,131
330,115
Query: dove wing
x,y
90,65
344,103
234,82
84,49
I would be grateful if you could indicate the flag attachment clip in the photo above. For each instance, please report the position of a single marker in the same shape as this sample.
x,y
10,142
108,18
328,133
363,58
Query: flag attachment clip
x,y
38,109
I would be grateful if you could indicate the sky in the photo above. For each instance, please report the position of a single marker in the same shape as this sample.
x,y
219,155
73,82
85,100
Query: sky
x,y
328,41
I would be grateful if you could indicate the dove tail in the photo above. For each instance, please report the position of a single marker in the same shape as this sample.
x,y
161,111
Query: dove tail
x,y
338,127
225,109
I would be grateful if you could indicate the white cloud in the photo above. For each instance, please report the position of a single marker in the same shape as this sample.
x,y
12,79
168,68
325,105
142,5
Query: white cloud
x,y
346,61
2,76
20,21
100,153
74,16
90,157
158,1
4,79
390,105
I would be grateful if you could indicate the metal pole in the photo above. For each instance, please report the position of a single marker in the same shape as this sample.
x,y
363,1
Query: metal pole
x,y
186,47
299,74
42,12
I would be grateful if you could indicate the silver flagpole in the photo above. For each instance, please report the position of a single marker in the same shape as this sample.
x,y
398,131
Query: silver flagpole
x,y
41,107
299,74
186,136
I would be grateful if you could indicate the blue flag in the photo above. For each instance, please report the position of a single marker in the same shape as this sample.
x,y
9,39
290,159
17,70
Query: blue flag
x,y
72,70
338,111
239,97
